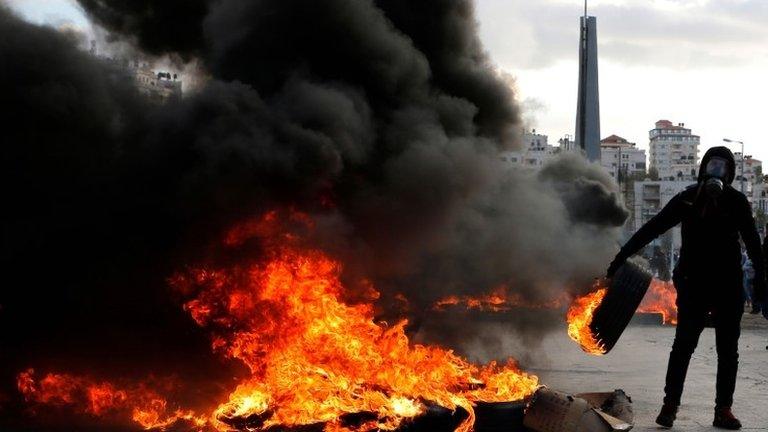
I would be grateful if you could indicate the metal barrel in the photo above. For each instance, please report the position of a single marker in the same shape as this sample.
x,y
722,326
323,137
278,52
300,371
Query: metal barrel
x,y
626,291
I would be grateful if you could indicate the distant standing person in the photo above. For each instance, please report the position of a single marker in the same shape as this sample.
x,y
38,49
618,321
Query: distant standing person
x,y
757,307
661,264
749,277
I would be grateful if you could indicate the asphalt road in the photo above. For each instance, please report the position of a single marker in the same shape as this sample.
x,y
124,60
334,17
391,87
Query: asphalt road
x,y
638,364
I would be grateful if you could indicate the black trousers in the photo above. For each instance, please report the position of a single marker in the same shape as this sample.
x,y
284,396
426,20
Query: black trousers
x,y
692,318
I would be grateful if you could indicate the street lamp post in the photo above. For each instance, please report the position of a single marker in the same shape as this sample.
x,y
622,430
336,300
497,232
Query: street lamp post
x,y
742,159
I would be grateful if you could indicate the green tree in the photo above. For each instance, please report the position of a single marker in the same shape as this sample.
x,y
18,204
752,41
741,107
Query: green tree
x,y
761,218
653,174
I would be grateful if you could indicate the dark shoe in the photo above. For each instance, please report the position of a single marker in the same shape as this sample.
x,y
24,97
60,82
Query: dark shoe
x,y
755,309
725,419
667,416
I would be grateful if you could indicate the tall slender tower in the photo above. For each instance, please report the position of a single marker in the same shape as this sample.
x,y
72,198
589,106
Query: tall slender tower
x,y
588,110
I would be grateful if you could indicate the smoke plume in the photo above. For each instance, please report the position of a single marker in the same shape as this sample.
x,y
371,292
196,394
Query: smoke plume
x,y
382,119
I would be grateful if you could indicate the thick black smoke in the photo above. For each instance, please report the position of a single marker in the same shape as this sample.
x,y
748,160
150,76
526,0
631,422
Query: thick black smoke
x,y
157,27
389,109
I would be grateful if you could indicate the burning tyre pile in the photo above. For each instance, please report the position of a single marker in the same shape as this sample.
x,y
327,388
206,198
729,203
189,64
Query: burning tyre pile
x,y
318,363
314,361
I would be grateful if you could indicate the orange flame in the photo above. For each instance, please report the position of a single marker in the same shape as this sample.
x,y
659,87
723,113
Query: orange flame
x,y
312,357
661,298
498,300
98,398
579,318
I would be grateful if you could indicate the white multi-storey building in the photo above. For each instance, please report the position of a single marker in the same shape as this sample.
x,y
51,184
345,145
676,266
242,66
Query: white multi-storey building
x,y
650,198
760,198
535,152
752,173
159,87
674,151
753,169
621,156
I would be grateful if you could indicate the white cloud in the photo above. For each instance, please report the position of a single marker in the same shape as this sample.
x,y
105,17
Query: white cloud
x,y
545,31
694,61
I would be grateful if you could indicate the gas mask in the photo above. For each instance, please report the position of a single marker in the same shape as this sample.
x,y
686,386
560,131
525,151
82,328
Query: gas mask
x,y
715,174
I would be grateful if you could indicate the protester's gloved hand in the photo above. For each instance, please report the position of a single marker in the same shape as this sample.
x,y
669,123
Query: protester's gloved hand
x,y
615,264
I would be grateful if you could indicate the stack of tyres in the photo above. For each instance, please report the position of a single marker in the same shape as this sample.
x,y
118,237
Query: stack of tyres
x,y
490,417
500,417
435,418
626,291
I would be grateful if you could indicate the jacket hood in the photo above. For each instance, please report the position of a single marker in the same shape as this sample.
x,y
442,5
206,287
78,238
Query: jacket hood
x,y
721,152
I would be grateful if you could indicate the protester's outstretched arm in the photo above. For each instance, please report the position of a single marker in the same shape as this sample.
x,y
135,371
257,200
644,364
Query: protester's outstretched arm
x,y
668,217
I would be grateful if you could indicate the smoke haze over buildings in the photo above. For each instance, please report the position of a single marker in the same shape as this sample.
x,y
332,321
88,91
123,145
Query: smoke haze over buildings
x,y
381,119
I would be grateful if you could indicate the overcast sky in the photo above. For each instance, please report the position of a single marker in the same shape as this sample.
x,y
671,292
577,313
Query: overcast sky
x,y
701,62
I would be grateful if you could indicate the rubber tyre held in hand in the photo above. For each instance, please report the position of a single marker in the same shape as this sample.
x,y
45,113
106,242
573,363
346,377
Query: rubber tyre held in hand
x,y
627,289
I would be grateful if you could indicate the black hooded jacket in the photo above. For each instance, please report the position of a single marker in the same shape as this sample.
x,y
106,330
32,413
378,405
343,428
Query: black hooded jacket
x,y
710,255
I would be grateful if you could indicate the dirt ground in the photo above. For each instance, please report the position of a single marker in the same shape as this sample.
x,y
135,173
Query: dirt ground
x,y
638,365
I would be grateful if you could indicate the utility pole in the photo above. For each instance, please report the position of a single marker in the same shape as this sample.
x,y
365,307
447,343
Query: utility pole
x,y
742,159
618,171
742,167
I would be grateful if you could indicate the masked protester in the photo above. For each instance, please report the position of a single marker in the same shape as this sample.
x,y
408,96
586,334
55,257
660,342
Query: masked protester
x,y
708,276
